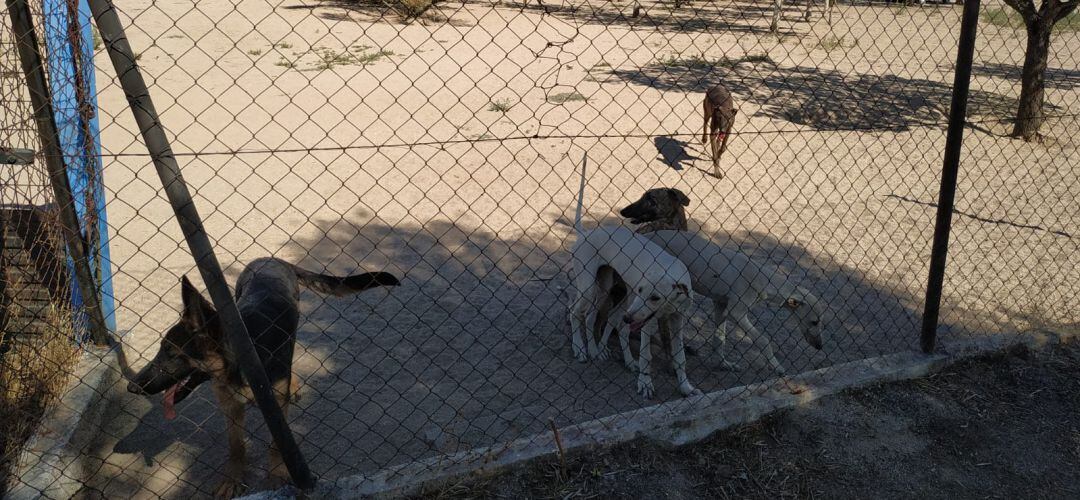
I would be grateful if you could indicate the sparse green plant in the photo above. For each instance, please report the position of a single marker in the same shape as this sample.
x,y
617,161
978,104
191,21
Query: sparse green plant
x,y
282,45
701,62
500,105
255,52
284,63
829,43
565,97
329,58
364,59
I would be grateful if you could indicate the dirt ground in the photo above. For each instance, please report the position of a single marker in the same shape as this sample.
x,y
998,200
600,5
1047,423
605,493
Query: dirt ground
x,y
1003,426
395,158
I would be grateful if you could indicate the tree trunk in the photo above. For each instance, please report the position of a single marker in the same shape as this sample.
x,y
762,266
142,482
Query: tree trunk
x,y
778,6
1029,114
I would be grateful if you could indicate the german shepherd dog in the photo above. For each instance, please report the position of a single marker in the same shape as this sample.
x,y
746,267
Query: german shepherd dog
x,y
196,350
719,112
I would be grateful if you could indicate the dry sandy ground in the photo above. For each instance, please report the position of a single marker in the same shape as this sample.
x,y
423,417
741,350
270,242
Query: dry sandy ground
x,y
999,427
392,159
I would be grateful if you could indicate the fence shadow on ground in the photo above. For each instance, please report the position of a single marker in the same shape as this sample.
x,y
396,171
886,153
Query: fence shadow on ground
x,y
473,350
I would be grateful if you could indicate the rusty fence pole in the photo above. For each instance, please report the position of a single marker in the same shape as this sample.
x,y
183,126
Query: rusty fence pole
x,y
157,144
954,141
33,67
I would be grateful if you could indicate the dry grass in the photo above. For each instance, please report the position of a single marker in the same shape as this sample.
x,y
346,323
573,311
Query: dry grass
x,y
1006,17
33,372
413,8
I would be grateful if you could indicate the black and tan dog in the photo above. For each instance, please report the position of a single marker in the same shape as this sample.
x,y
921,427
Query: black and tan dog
x,y
719,113
657,209
195,350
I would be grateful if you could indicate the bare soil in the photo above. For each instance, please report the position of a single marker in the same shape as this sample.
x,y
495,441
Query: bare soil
x,y
334,136
1001,426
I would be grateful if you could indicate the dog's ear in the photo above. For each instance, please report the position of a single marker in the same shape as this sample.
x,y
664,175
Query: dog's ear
x,y
792,303
679,196
196,308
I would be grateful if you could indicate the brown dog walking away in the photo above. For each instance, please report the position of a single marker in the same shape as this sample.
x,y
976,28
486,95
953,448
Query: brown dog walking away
x,y
195,350
719,118
657,209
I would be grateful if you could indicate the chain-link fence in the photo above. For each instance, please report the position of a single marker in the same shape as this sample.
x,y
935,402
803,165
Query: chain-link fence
x,y
442,143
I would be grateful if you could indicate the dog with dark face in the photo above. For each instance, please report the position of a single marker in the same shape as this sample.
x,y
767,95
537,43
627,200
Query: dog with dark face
x,y
719,113
196,350
657,209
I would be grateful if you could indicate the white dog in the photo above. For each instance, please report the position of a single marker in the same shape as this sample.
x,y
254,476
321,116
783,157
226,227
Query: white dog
x,y
736,283
661,287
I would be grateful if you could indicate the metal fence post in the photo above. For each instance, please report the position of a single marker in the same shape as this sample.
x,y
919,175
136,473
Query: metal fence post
x,y
954,141
30,55
131,80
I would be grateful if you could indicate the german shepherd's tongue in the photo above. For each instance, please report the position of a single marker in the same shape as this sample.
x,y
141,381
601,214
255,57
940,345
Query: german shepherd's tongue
x,y
169,401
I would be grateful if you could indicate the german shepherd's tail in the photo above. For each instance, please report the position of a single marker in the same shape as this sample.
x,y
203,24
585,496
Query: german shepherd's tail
x,y
343,285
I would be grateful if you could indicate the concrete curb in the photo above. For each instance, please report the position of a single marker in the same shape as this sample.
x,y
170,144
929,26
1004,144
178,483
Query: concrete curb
x,y
672,423
48,464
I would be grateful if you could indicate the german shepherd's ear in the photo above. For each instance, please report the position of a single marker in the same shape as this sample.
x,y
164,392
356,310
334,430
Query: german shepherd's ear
x,y
679,197
196,308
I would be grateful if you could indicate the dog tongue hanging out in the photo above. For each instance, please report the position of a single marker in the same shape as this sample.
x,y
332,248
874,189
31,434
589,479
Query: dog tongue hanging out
x,y
195,350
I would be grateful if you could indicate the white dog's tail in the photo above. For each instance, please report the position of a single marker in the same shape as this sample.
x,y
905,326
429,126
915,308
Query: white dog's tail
x,y
580,195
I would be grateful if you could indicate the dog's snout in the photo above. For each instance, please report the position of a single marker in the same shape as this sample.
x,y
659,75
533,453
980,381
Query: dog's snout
x,y
626,319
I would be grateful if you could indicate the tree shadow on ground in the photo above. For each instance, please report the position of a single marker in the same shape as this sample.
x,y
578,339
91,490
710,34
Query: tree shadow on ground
x,y
696,17
691,18
1064,79
473,348
823,99
381,11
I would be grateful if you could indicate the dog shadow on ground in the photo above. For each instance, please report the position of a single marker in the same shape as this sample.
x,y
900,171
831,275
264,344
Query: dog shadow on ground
x,y
473,349
673,152
822,99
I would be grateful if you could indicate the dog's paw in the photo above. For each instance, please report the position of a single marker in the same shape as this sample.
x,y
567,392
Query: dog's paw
x,y
277,478
688,390
730,365
603,353
230,487
631,365
581,356
645,386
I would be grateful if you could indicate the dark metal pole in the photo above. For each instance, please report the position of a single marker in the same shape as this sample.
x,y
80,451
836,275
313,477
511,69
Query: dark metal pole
x,y
954,141
33,67
131,80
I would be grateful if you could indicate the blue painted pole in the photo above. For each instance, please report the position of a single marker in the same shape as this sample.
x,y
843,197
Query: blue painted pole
x,y
74,92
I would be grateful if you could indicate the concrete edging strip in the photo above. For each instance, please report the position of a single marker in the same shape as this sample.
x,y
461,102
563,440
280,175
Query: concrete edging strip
x,y
675,423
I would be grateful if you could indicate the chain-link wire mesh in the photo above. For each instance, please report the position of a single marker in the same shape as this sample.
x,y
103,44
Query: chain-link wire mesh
x,y
441,142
